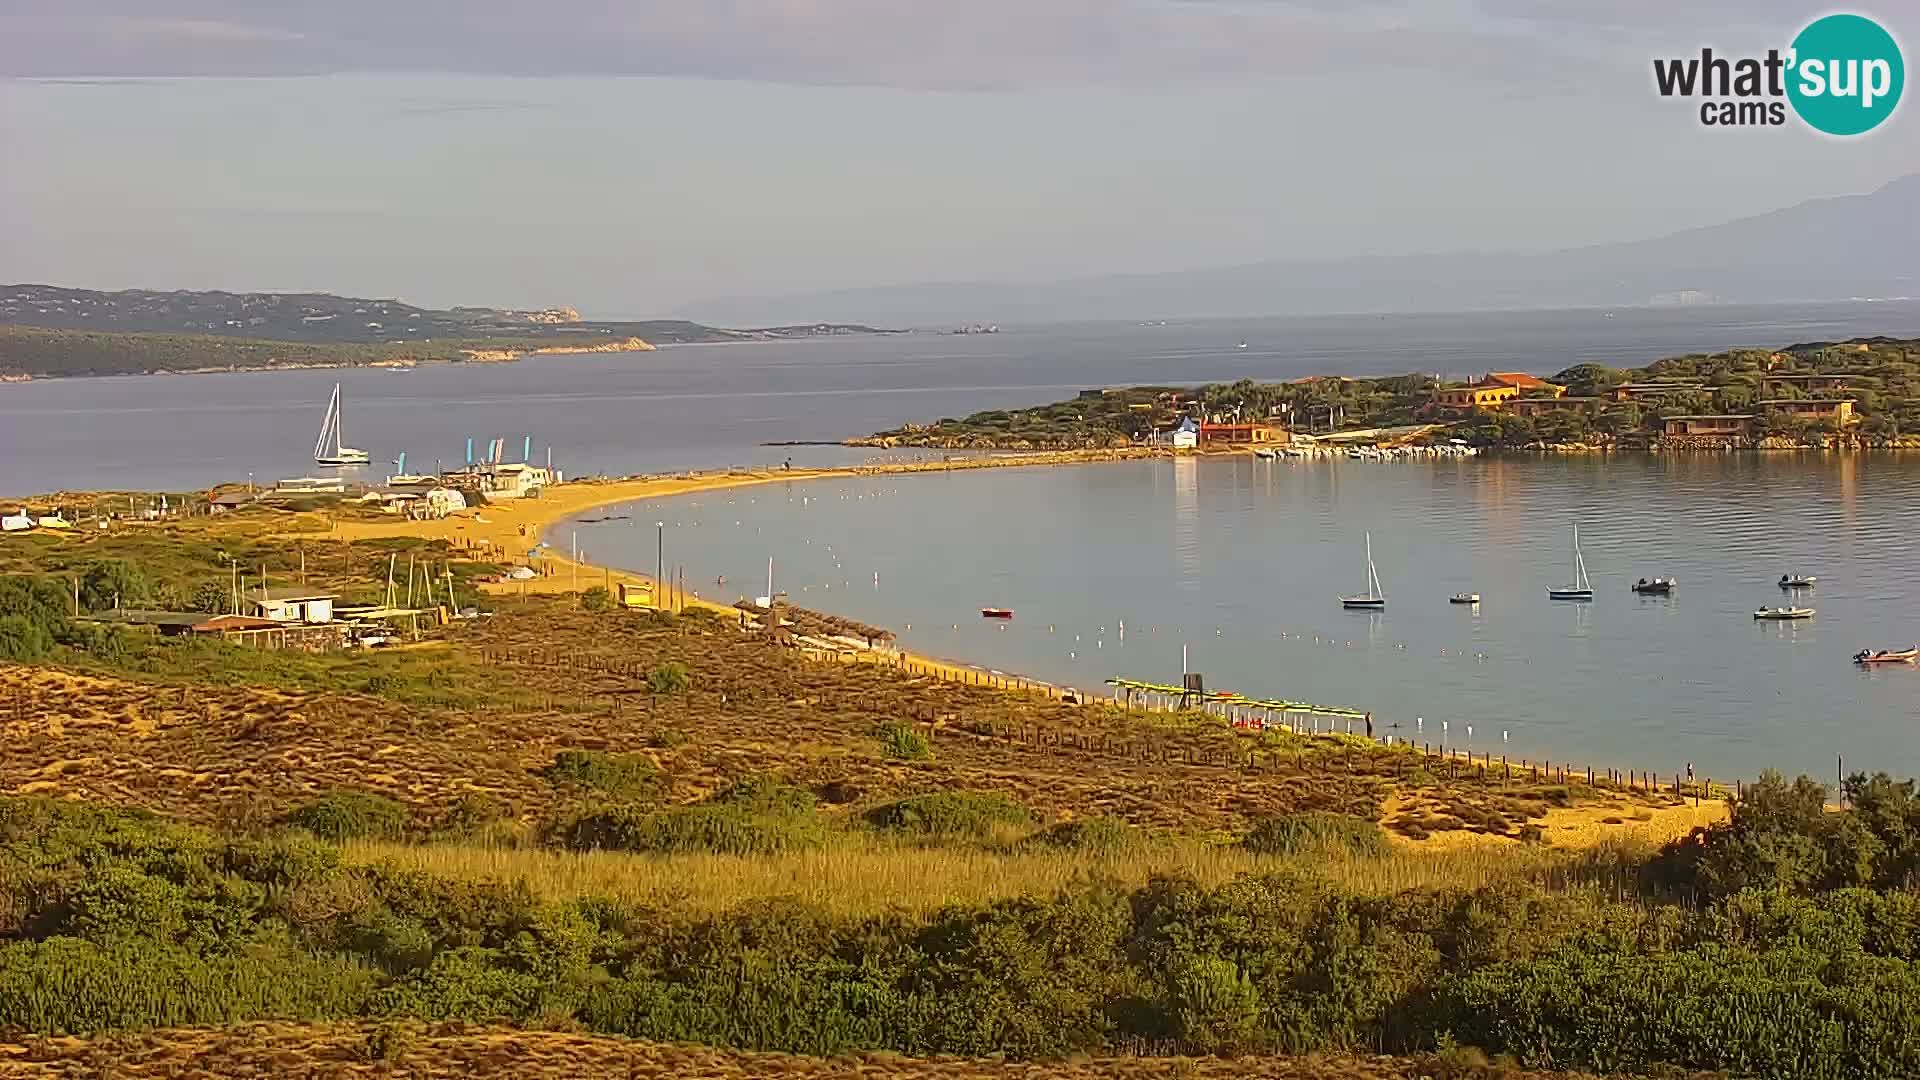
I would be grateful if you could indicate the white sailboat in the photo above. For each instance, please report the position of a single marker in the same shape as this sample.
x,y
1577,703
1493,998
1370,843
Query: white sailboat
x,y
1375,597
327,449
1581,589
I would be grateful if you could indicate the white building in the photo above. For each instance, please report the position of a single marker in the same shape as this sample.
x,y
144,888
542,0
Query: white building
x,y
1187,435
504,480
296,605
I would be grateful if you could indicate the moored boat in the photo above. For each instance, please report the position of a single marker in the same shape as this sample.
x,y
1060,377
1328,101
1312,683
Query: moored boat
x,y
1797,581
1464,598
327,449
1887,656
1375,598
996,613
1582,587
1655,587
1779,614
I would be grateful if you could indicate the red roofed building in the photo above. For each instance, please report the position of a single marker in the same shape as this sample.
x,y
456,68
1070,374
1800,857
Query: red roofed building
x,y
1495,389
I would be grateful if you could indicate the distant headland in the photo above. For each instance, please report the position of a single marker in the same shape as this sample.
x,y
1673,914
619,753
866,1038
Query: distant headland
x,y
1863,392
49,331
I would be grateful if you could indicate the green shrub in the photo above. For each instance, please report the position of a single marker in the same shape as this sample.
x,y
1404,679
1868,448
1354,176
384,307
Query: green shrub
x,y
107,583
756,816
619,776
477,817
1213,1005
1092,836
904,742
669,679
23,640
709,828
212,597
72,986
1317,831
596,598
463,984
971,814
350,815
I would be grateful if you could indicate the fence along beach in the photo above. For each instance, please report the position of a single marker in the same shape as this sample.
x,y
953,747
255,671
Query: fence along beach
x,y
512,529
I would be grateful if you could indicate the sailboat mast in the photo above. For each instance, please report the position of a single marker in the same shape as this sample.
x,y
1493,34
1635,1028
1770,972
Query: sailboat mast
x,y
338,439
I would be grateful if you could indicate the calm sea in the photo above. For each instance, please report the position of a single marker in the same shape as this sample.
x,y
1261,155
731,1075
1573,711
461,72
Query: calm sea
x,y
706,406
1239,560
1242,561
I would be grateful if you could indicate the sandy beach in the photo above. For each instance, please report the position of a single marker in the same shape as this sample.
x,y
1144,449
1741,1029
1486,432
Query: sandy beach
x,y
508,530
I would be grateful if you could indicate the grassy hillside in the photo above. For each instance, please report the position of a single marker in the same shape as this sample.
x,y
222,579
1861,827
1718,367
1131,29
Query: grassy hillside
x,y
668,828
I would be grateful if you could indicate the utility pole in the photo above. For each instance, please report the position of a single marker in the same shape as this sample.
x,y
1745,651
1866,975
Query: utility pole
x,y
659,558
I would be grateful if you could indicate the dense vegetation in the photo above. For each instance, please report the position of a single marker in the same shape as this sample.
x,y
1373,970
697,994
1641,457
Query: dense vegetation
x,y
670,829
118,920
1883,378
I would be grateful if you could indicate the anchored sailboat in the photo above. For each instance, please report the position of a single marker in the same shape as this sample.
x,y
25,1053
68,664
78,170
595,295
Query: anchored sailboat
x,y
327,449
1581,589
1375,598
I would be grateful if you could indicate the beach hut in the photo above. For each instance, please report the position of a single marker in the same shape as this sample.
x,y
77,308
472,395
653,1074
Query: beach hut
x,y
1187,435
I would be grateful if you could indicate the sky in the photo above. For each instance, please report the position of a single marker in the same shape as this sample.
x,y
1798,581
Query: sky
x,y
631,157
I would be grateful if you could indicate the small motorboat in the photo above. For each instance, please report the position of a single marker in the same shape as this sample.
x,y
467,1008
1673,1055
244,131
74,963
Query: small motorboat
x,y
1780,614
1265,452
1654,587
996,613
1887,656
1464,598
1797,581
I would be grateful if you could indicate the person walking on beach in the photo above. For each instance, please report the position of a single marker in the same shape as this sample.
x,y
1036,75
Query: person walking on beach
x,y
1369,725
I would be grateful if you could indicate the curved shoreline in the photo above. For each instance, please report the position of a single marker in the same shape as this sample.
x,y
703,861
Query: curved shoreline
x,y
512,530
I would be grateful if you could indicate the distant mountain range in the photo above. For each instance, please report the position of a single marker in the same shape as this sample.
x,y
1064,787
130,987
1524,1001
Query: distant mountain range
x,y
322,318
1822,249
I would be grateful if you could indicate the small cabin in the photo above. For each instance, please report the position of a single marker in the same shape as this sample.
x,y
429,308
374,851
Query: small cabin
x,y
632,594
1187,435
296,605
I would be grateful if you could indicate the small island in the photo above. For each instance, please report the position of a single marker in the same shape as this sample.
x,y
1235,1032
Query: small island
x,y
1863,392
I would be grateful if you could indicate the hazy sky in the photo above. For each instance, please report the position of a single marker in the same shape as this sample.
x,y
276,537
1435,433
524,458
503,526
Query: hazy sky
x,y
630,157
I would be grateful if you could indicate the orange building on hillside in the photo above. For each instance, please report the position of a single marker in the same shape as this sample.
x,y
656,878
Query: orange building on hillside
x,y
1495,389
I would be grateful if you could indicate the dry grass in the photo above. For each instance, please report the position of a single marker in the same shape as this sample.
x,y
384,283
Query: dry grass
x,y
240,742
449,1051
549,677
860,876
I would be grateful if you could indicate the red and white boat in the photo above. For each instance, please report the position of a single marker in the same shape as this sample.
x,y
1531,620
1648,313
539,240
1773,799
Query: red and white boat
x,y
1887,656
996,613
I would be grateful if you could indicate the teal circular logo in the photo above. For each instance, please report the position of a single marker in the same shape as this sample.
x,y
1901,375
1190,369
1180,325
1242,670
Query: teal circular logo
x,y
1846,74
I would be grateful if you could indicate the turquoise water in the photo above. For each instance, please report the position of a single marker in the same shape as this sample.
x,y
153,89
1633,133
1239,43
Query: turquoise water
x,y
1242,561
